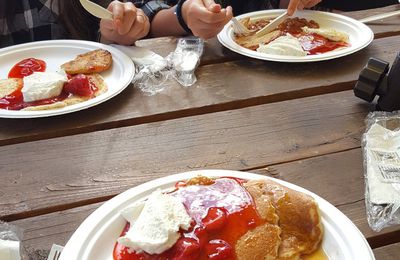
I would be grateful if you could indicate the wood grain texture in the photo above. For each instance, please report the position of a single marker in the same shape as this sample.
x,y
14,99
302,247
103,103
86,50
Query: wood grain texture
x,y
390,252
226,86
339,179
383,28
339,183
214,52
39,233
43,176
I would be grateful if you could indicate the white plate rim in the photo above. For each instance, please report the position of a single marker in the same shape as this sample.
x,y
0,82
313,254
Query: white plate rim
x,y
225,39
128,75
81,237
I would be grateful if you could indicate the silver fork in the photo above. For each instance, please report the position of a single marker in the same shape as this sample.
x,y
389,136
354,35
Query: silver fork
x,y
239,28
55,252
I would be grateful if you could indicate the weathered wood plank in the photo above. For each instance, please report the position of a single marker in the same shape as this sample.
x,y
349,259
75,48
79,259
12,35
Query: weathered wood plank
x,y
43,176
336,177
214,52
383,28
39,233
220,87
390,252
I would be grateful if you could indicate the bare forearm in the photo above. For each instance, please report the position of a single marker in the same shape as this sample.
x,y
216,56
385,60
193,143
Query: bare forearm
x,y
165,23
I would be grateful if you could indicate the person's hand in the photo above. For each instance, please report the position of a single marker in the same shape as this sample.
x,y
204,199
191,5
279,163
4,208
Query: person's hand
x,y
129,24
205,18
300,4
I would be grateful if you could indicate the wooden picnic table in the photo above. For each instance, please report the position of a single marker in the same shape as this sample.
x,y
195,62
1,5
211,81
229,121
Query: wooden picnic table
x,y
296,122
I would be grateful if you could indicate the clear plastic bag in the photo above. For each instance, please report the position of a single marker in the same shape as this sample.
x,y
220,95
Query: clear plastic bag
x,y
381,151
10,237
152,70
185,59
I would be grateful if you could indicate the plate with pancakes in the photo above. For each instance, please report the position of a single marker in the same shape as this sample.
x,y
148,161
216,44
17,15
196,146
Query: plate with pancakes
x,y
234,215
307,36
56,77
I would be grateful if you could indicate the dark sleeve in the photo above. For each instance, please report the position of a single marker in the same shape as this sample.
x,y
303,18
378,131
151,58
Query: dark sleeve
x,y
353,5
151,8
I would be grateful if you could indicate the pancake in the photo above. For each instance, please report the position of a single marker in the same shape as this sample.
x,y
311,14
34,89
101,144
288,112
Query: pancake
x,y
297,213
261,242
91,62
8,86
291,222
97,79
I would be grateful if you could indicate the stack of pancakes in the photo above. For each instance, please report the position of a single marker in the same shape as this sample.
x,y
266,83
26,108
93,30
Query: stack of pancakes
x,y
292,225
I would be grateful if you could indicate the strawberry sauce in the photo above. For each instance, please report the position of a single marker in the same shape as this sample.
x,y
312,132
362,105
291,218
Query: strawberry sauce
x,y
317,44
222,212
27,67
79,85
15,100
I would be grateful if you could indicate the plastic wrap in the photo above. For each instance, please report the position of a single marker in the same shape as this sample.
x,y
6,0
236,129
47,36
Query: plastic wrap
x,y
10,237
152,70
185,59
381,150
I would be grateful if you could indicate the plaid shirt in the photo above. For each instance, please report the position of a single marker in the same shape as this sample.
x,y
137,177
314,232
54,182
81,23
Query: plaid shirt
x,y
33,21
150,8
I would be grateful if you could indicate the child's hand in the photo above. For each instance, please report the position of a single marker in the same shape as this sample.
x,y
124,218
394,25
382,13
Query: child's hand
x,y
205,18
129,24
301,4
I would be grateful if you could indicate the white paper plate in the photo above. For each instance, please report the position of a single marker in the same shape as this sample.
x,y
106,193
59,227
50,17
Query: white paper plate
x,y
96,236
57,52
360,35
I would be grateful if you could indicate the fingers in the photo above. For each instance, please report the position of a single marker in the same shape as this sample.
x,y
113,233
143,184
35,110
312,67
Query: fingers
x,y
229,13
129,24
292,7
129,17
140,28
205,18
212,6
124,15
300,5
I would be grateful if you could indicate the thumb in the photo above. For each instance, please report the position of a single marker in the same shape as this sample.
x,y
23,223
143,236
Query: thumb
x,y
212,6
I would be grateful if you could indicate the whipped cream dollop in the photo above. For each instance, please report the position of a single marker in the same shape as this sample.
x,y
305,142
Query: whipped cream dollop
x,y
154,223
329,33
42,85
284,45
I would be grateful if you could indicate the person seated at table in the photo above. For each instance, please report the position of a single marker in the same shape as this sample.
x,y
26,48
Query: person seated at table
x,y
206,18
24,21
